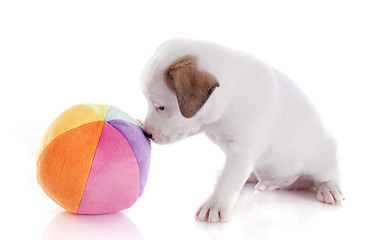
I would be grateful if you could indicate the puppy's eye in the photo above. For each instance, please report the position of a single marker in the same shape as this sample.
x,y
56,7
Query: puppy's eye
x,y
159,108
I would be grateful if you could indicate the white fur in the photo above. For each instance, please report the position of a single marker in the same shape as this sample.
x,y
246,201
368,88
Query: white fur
x,y
258,117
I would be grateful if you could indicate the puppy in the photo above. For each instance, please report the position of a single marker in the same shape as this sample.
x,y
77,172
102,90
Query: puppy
x,y
266,126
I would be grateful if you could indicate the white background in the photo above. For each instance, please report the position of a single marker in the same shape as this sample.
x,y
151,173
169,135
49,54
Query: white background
x,y
54,54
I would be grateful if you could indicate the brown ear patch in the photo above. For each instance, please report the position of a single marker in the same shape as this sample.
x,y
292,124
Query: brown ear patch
x,y
191,85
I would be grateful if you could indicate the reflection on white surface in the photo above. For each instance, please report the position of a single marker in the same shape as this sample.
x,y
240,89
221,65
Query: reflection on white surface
x,y
278,215
282,214
108,226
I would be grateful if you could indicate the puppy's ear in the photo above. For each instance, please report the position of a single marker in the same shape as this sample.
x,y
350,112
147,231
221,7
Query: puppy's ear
x,y
191,85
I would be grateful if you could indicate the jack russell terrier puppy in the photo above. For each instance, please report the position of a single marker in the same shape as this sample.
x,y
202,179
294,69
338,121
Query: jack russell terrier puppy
x,y
265,125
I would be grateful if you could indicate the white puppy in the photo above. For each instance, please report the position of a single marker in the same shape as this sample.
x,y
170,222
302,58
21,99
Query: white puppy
x,y
258,116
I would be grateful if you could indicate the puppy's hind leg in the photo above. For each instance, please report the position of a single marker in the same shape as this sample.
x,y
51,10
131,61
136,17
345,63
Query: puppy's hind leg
x,y
330,192
327,174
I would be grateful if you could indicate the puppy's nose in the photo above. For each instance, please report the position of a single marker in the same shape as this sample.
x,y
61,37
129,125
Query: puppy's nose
x,y
148,135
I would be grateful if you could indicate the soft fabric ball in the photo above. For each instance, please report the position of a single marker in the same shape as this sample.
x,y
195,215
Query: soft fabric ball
x,y
94,159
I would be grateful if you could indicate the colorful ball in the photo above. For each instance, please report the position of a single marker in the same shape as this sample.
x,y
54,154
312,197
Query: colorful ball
x,y
94,159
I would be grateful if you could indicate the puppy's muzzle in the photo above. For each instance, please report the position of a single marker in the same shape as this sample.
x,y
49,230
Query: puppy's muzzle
x,y
147,135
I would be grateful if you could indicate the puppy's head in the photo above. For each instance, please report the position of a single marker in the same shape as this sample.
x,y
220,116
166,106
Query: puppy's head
x,y
177,97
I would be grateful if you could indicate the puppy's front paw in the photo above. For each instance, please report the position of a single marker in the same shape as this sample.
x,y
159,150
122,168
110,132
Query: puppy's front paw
x,y
330,193
212,211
